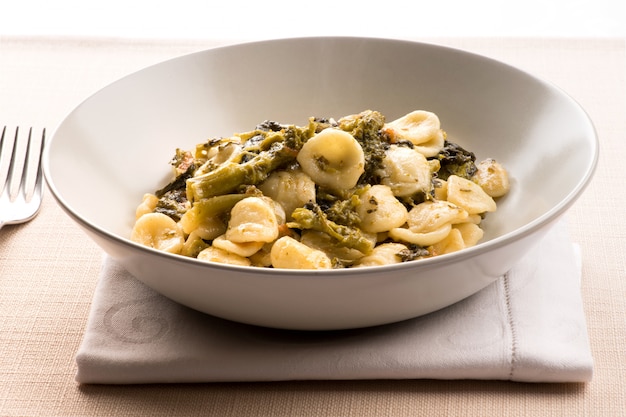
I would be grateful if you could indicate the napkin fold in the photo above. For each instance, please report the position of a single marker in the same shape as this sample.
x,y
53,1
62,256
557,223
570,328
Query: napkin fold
x,y
527,326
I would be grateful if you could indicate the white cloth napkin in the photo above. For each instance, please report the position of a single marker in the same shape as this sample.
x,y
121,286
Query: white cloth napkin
x,y
527,326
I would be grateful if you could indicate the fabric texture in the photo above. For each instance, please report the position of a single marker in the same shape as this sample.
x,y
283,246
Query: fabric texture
x,y
527,326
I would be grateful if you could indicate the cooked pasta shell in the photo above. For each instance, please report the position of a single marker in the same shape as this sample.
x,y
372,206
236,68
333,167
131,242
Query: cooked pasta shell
x,y
288,253
432,215
291,189
380,210
402,234
244,249
451,243
147,205
385,254
406,171
471,233
422,128
492,177
333,159
213,254
158,231
469,196
252,219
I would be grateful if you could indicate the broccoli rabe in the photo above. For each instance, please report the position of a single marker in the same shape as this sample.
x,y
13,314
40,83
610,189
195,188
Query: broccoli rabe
x,y
172,199
312,217
366,129
342,209
455,160
264,150
179,183
271,146
230,176
413,252
173,203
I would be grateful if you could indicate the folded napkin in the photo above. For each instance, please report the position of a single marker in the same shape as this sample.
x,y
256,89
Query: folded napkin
x,y
527,326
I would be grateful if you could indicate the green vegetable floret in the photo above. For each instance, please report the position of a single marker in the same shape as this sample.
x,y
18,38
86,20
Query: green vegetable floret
x,y
455,160
342,209
413,252
366,128
172,199
312,217
269,147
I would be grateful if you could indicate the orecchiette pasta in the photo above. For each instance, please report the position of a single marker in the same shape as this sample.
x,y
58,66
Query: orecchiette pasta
x,y
332,158
470,232
292,254
402,234
431,215
220,153
262,258
406,171
384,254
469,196
492,177
453,242
158,231
252,219
380,210
421,128
203,219
148,204
245,249
291,189
356,192
213,254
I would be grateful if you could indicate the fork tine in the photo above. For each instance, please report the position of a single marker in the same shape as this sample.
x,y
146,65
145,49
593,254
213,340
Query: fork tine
x,y
21,175
7,143
21,163
18,161
32,178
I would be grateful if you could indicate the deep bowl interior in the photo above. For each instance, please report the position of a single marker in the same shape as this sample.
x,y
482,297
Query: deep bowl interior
x,y
116,144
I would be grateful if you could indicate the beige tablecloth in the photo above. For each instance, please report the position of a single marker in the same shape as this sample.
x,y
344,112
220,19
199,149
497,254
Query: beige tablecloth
x,y
49,269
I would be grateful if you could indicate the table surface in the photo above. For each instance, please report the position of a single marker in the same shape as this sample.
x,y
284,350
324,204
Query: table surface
x,y
48,267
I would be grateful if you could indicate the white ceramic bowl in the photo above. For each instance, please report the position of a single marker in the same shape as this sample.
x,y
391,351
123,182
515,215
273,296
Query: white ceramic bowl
x,y
116,144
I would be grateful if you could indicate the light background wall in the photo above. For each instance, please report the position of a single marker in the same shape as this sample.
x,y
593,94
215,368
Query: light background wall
x,y
235,19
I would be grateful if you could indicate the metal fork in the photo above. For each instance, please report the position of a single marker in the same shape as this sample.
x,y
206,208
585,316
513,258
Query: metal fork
x,y
21,177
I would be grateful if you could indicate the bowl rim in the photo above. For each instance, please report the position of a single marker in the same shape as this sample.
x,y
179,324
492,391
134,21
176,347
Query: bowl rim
x,y
519,233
